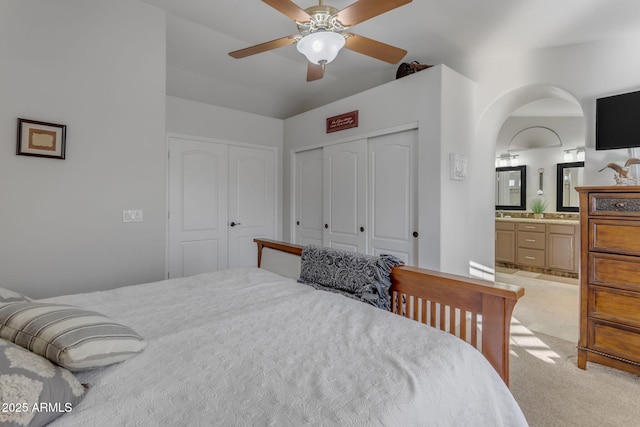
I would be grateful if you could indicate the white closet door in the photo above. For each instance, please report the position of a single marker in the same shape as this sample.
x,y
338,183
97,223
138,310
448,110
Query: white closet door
x,y
308,197
252,202
197,207
345,196
393,196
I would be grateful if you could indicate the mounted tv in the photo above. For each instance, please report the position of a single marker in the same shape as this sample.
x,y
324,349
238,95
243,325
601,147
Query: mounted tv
x,y
618,121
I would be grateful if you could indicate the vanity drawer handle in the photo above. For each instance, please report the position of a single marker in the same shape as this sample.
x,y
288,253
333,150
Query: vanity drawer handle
x,y
530,257
529,240
620,205
529,226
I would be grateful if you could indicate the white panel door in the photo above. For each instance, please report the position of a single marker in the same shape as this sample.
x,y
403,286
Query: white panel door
x,y
308,197
252,202
197,207
393,196
345,196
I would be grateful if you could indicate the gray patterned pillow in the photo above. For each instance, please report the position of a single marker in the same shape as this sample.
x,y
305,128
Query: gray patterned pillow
x,y
34,391
355,275
10,296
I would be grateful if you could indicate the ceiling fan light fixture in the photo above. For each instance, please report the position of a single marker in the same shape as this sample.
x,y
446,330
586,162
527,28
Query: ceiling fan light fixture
x,y
321,47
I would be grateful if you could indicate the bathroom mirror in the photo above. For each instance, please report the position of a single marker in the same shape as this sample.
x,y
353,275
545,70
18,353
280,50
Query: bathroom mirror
x,y
511,186
568,177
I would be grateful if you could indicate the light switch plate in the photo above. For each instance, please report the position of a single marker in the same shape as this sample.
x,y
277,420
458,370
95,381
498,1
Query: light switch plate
x,y
132,216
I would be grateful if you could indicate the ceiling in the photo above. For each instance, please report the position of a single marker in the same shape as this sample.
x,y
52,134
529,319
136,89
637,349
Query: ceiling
x,y
200,33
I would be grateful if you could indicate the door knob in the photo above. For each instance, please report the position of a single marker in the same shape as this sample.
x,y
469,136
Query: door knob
x,y
233,224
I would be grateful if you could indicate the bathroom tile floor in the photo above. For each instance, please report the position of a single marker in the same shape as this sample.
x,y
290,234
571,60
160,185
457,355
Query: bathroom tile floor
x,y
550,304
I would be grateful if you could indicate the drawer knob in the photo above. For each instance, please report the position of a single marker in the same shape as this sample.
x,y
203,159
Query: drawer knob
x,y
620,205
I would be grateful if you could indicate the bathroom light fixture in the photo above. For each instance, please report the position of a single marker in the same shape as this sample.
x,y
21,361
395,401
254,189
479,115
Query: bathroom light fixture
x,y
506,159
321,47
568,154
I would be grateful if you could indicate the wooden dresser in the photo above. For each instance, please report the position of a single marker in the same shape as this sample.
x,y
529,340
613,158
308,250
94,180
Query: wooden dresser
x,y
610,277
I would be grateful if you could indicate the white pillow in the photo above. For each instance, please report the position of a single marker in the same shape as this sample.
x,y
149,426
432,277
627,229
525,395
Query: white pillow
x,y
68,336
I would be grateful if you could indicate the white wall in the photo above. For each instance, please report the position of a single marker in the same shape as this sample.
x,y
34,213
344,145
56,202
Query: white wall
x,y
210,121
441,103
99,68
581,72
458,113
570,131
587,71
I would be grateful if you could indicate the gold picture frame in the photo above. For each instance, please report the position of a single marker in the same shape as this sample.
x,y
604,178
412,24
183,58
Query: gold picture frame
x,y
41,139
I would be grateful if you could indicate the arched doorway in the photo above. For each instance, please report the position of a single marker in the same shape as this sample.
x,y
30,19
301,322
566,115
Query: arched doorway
x,y
489,128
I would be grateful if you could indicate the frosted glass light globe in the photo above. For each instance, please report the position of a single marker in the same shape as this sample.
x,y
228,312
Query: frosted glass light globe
x,y
321,47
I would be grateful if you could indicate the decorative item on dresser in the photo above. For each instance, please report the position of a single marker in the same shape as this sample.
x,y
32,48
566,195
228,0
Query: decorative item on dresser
x,y
610,277
622,174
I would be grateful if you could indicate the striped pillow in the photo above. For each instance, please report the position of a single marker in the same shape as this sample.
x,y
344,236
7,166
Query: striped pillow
x,y
7,295
70,337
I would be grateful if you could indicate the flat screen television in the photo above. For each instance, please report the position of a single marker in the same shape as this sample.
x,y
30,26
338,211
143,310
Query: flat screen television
x,y
618,121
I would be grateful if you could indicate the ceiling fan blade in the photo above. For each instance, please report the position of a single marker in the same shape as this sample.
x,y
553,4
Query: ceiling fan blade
x,y
289,9
314,72
263,47
374,49
366,9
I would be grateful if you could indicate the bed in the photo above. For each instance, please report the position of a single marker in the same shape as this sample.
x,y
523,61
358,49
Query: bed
x,y
252,347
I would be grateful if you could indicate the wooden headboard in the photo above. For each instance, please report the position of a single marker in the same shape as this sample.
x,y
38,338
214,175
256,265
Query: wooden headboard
x,y
476,311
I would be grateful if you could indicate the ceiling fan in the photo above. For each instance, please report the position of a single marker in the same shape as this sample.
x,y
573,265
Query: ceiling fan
x,y
323,33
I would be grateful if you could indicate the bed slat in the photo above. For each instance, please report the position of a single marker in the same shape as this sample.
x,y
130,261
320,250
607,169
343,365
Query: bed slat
x,y
454,320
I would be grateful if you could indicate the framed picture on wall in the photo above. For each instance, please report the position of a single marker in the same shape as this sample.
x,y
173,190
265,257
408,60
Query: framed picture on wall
x,y
41,139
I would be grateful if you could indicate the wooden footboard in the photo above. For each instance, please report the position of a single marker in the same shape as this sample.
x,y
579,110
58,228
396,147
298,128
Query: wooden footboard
x,y
477,311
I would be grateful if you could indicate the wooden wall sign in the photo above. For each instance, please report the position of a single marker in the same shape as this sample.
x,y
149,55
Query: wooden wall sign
x,y
342,122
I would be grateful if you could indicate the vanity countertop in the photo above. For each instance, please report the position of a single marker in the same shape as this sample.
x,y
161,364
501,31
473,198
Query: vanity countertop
x,y
541,221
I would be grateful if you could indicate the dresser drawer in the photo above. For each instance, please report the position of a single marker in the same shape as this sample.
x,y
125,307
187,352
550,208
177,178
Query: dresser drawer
x,y
613,340
618,271
539,228
531,257
619,204
614,236
562,229
614,305
505,225
531,240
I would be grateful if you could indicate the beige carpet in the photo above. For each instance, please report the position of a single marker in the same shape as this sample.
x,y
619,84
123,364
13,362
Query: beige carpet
x,y
553,391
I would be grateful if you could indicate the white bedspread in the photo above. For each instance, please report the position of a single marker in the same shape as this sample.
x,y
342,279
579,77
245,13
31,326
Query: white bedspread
x,y
250,348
